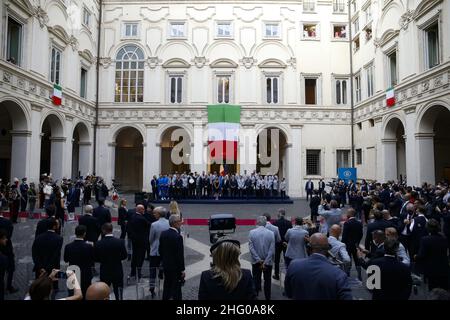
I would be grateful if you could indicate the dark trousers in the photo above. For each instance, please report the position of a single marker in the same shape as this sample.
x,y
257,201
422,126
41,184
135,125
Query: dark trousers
x,y
117,286
14,210
257,272
278,249
172,285
137,258
123,231
308,194
23,204
2,286
155,262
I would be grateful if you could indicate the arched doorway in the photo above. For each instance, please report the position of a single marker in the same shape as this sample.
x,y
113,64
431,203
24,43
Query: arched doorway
x,y
176,140
129,160
394,150
271,152
52,147
434,145
80,151
13,141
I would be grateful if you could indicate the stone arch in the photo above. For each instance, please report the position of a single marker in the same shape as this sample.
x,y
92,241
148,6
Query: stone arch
x,y
234,53
425,119
128,158
284,129
14,138
115,49
184,50
176,63
275,48
81,149
163,128
118,128
223,63
433,142
390,18
169,165
394,148
18,110
278,161
390,125
53,140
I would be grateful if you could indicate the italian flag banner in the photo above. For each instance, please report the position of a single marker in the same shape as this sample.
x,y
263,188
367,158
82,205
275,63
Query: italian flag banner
x,y
57,95
390,97
223,132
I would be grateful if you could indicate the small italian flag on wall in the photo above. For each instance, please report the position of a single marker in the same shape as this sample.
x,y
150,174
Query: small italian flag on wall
x,y
390,97
223,132
57,95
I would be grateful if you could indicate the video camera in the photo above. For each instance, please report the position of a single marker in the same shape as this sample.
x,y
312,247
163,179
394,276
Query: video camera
x,y
221,225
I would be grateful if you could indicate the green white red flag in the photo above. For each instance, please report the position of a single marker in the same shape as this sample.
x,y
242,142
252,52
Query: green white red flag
x,y
57,95
390,97
223,132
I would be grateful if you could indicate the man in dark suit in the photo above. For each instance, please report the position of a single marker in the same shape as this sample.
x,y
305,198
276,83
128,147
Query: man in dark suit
x,y
8,252
396,281
417,230
80,253
385,195
46,249
378,224
102,214
315,278
110,252
314,206
375,251
351,236
93,229
171,251
283,226
432,257
138,232
309,187
321,188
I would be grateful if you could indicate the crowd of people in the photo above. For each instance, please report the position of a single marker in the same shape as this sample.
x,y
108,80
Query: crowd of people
x,y
406,232
212,185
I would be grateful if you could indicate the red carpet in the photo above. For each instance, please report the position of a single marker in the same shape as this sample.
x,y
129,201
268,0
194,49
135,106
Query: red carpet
x,y
188,221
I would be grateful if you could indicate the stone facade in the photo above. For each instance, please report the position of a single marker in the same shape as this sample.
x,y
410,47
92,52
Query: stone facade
x,y
248,43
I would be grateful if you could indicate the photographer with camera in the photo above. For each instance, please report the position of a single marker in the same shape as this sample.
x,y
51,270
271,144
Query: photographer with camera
x,y
42,288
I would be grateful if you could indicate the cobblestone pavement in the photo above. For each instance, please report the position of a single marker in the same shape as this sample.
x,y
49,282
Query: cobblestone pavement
x,y
197,256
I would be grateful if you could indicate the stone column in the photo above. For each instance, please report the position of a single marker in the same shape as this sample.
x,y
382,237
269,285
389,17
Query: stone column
x,y
389,152
105,151
410,147
68,156
20,157
197,160
247,153
379,174
35,145
84,162
57,157
425,148
294,157
151,156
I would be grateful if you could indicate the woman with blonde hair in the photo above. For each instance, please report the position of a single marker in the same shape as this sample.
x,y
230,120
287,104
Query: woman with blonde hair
x,y
174,209
226,280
